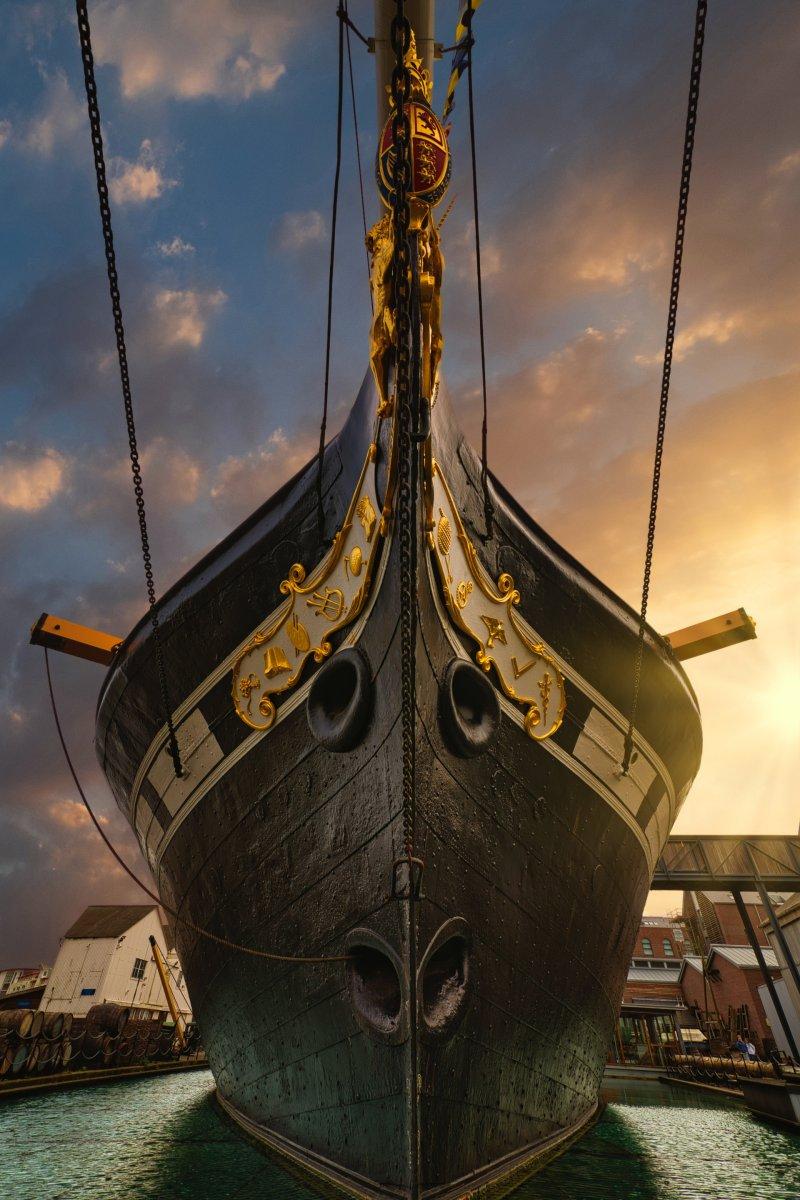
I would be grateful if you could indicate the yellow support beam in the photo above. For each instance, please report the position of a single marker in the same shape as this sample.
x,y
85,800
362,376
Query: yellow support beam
x,y
178,1021
79,640
710,635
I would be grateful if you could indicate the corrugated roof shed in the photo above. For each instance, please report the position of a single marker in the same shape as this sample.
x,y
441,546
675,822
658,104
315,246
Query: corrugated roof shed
x,y
691,960
107,920
744,956
645,975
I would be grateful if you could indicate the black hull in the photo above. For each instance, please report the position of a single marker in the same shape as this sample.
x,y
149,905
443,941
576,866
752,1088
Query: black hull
x,y
535,854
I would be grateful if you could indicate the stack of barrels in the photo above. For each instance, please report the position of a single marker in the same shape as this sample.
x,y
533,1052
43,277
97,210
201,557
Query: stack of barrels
x,y
33,1042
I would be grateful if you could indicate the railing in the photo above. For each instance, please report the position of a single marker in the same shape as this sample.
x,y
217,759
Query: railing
x,y
722,1070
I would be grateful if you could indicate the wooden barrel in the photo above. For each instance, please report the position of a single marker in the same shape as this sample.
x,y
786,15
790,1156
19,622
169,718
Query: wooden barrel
x,y
54,1025
107,1018
17,1020
75,1043
45,1056
68,1021
37,1023
109,1050
20,1054
91,1048
34,1052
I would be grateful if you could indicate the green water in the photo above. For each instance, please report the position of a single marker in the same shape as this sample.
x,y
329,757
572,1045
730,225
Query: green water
x,y
159,1139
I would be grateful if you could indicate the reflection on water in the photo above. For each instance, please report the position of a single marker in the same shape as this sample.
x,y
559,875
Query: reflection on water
x,y
153,1139
662,1143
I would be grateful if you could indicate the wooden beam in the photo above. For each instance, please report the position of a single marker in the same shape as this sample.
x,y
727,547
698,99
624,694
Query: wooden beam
x,y
78,640
710,635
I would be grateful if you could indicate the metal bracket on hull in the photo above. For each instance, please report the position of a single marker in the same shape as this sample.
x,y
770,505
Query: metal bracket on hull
x,y
317,606
486,612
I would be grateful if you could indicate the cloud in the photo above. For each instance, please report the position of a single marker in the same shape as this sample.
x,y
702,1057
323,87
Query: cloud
x,y
715,328
726,536
172,477
464,259
194,48
298,230
139,181
176,247
240,480
60,117
182,316
70,814
788,164
6,130
30,479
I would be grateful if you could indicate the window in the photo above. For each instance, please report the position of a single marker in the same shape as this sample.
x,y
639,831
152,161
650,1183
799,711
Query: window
x,y
647,946
139,965
87,991
668,948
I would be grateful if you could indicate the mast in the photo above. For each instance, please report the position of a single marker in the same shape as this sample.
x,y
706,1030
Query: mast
x,y
421,14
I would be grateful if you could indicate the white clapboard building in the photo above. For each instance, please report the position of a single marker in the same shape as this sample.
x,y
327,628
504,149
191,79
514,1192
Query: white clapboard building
x,y
106,956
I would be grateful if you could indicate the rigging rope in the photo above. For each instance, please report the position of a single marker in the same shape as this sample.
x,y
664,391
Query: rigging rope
x,y
122,354
190,925
680,233
335,209
348,23
407,482
488,510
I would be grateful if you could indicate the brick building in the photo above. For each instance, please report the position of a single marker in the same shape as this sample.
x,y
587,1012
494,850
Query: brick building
x,y
712,918
659,939
652,1004
727,1002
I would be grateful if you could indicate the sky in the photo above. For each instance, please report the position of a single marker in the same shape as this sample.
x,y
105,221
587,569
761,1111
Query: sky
x,y
219,126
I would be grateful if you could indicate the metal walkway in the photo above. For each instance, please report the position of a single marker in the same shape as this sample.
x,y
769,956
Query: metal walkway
x,y
740,863
730,863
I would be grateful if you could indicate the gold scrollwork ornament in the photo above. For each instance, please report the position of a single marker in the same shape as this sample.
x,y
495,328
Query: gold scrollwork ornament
x,y
487,613
329,598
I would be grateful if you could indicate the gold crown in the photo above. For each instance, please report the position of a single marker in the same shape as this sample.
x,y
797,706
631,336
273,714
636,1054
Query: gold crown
x,y
421,81
421,84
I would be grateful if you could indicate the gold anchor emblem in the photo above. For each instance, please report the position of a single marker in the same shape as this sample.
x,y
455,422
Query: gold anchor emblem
x,y
496,631
329,604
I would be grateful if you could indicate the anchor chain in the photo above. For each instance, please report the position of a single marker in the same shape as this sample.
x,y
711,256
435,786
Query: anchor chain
x,y
672,317
407,456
